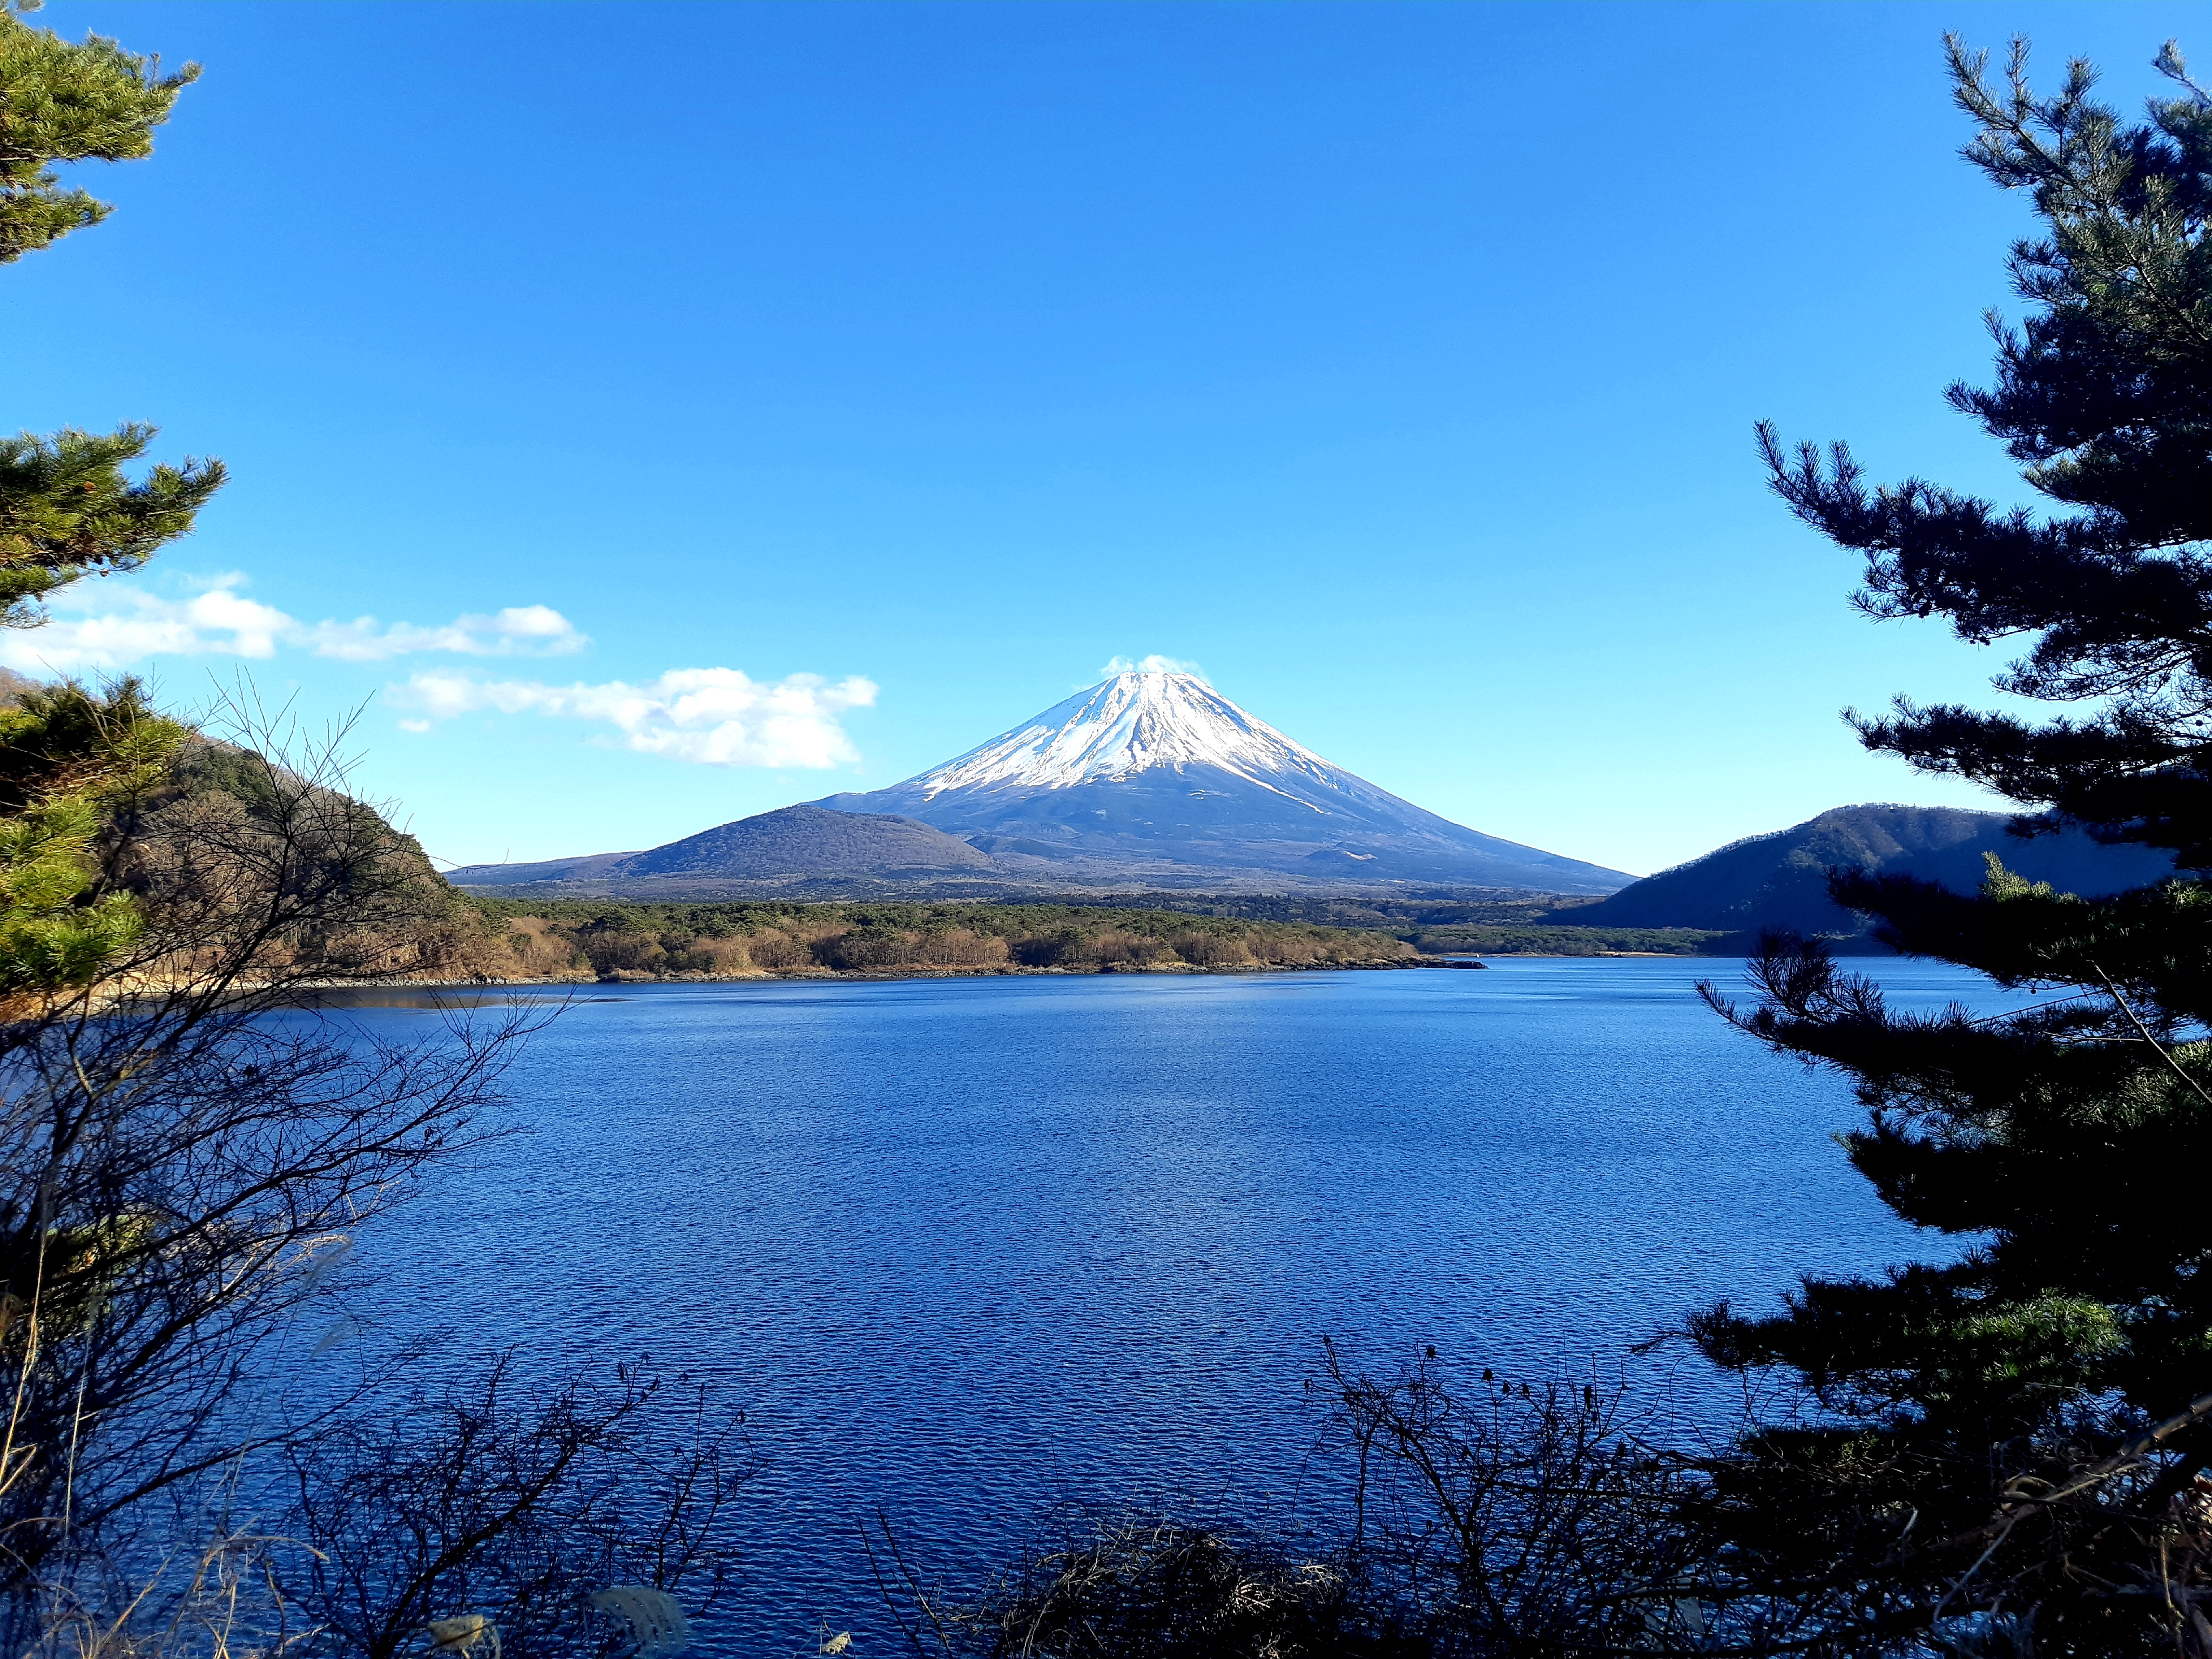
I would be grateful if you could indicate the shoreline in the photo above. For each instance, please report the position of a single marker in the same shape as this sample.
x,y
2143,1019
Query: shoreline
x,y
761,975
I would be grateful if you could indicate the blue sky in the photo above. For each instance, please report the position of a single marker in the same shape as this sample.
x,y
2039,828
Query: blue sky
x,y
1394,363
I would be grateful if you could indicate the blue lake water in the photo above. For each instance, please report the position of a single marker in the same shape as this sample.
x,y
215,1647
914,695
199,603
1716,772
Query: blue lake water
x,y
964,1247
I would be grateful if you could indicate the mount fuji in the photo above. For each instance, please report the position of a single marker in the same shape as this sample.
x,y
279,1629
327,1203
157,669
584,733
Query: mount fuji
x,y
1151,778
1155,776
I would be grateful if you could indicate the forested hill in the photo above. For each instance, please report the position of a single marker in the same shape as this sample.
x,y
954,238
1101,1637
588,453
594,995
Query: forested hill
x,y
1781,880
612,939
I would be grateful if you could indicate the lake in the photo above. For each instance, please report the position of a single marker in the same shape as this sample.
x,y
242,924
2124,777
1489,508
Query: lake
x,y
964,1247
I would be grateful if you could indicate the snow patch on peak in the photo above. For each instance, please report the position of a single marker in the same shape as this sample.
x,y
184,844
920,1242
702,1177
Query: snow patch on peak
x,y
1140,719
1154,663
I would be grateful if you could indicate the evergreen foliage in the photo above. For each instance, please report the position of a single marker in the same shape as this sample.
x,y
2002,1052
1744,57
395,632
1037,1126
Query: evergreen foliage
x,y
2102,394
67,757
69,510
92,102
1973,1453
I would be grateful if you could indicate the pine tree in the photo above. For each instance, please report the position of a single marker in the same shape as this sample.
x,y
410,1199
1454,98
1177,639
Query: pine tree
x,y
70,509
59,103
1984,1443
67,508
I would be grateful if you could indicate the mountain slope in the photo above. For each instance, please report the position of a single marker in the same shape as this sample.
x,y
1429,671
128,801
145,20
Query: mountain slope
x,y
1156,777
588,866
1781,880
807,841
793,843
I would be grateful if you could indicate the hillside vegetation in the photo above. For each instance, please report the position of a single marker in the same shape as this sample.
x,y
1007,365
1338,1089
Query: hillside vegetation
x,y
1781,879
1492,923
607,939
1570,940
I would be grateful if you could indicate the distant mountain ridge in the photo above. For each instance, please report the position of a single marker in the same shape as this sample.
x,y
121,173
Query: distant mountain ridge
x,y
1781,879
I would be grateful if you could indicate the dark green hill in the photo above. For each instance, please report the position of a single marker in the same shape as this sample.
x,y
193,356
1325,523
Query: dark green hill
x,y
808,841
1781,880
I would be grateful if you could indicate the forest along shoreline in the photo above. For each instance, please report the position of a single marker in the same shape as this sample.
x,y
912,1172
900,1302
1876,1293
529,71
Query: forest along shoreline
x,y
514,942
760,976
487,940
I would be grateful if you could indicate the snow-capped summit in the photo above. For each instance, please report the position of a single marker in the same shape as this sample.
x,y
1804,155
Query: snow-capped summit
x,y
1131,723
1153,776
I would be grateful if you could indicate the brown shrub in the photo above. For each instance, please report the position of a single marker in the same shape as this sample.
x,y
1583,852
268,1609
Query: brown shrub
x,y
728,954
1062,948
958,947
624,953
532,947
776,950
1210,950
1117,949
867,947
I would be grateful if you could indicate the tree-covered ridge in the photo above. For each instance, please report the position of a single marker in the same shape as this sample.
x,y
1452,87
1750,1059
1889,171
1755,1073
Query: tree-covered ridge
x,y
1781,879
611,938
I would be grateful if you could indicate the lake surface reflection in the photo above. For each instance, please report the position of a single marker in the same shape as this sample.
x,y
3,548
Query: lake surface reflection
x,y
963,1248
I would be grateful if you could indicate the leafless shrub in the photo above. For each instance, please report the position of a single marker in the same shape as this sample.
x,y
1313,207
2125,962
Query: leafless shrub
x,y
1535,1521
1150,1586
776,950
725,955
958,947
1115,949
1523,1522
521,1508
1210,950
2097,1542
529,948
1493,1520
257,871
865,948
177,1164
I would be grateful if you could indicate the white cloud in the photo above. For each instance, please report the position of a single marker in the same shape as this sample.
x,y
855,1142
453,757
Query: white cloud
x,y
113,627
1151,664
522,630
713,716
137,625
